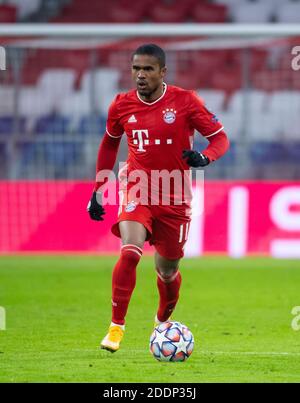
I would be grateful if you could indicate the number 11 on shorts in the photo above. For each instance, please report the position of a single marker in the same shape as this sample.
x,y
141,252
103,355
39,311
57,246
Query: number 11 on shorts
x,y
183,232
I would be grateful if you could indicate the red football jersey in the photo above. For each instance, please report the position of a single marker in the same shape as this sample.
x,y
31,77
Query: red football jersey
x,y
159,131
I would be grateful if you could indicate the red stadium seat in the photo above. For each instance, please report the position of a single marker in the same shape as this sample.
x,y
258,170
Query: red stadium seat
x,y
169,11
127,12
207,63
98,11
257,58
211,59
295,80
77,11
39,60
206,12
270,80
188,80
199,67
8,13
228,79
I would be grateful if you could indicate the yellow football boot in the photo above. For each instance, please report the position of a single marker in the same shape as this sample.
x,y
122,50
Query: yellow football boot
x,y
112,340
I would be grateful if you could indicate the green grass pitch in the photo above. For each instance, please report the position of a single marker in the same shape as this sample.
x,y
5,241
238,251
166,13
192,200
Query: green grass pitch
x,y
58,310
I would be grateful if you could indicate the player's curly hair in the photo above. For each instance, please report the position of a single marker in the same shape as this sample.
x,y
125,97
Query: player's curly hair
x,y
152,50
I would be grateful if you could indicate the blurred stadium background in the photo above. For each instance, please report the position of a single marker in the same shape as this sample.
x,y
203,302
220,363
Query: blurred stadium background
x,y
54,96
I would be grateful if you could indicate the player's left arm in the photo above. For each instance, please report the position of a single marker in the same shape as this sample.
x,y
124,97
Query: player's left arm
x,y
211,128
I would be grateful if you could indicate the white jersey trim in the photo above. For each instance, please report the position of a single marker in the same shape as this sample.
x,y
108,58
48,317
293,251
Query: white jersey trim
x,y
154,102
215,132
115,137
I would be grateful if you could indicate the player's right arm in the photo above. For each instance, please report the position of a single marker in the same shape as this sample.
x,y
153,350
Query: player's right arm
x,y
107,155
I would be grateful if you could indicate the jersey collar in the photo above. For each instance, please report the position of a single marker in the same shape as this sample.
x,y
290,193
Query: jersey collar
x,y
158,99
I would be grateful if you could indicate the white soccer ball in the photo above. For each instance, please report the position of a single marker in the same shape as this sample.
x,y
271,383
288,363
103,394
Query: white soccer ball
x,y
171,341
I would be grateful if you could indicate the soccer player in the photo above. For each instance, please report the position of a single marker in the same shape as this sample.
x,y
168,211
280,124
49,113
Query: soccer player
x,y
159,121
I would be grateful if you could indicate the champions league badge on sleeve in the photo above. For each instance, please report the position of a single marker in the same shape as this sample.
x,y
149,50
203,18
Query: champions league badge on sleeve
x,y
214,119
169,115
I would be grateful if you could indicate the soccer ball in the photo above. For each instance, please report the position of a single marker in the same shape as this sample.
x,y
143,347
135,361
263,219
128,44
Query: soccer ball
x,y
171,341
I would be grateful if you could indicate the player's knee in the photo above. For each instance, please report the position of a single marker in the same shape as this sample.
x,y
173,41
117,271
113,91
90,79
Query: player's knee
x,y
166,272
166,267
168,276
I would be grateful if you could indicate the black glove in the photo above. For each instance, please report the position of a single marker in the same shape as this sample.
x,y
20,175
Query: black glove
x,y
95,209
195,159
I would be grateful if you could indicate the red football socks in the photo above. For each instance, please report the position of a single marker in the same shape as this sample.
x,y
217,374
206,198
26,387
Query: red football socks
x,y
123,281
168,287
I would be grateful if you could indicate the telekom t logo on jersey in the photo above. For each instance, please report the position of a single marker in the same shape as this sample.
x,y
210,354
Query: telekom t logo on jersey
x,y
143,139
140,140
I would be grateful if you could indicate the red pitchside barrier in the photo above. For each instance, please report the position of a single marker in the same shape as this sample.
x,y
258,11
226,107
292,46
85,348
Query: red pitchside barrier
x,y
240,218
